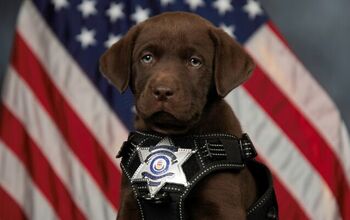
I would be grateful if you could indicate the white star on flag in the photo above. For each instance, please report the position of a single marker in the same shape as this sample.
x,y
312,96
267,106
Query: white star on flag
x,y
112,39
115,11
86,37
194,4
87,8
253,9
59,4
223,6
166,2
228,29
140,14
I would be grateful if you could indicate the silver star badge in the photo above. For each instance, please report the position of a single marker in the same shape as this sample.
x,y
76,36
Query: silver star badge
x,y
161,164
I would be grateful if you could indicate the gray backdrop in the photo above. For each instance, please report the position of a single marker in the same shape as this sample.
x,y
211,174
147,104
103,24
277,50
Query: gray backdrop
x,y
317,30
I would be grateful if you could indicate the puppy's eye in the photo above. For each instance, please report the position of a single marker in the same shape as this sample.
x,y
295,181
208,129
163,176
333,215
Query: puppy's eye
x,y
147,59
195,62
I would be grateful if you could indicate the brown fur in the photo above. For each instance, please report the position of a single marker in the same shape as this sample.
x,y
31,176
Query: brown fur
x,y
174,95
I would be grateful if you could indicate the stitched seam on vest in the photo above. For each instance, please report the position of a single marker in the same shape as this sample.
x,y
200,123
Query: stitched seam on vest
x,y
215,145
149,135
205,149
135,192
172,188
163,188
135,151
215,149
215,135
217,154
261,202
198,153
138,202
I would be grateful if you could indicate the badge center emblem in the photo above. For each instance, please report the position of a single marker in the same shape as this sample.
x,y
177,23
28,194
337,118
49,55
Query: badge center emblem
x,y
161,164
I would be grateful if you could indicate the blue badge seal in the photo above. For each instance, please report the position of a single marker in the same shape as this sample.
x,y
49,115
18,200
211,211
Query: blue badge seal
x,y
159,165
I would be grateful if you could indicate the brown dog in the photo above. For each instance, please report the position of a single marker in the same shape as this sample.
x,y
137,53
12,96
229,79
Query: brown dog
x,y
179,67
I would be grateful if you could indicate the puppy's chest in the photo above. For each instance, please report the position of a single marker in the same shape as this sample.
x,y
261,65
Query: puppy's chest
x,y
163,170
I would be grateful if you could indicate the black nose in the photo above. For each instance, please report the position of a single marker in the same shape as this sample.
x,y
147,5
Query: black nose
x,y
162,93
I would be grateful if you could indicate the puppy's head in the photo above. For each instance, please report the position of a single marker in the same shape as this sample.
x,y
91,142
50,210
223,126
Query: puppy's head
x,y
171,63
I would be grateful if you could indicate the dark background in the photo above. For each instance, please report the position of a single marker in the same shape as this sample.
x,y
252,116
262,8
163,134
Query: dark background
x,y
318,31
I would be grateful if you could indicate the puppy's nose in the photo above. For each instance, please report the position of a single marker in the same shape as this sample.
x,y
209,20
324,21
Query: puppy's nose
x,y
162,93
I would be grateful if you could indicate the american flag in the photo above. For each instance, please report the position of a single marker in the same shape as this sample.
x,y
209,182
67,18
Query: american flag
x,y
62,123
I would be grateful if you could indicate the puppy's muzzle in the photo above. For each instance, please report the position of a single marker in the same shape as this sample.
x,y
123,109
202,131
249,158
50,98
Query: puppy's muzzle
x,y
164,88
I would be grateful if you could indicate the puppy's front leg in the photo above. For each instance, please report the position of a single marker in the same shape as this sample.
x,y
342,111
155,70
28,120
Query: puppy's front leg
x,y
218,196
128,205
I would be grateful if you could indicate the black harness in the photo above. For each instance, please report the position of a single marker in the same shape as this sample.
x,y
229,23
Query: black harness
x,y
163,170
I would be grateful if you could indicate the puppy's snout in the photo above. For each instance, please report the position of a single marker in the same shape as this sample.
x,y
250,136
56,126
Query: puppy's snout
x,y
162,93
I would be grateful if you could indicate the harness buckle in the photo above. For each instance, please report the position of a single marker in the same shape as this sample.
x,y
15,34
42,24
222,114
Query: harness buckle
x,y
247,147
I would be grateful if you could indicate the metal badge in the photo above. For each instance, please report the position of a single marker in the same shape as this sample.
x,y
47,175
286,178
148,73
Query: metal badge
x,y
161,164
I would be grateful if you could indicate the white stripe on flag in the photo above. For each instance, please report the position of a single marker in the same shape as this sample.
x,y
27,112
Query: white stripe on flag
x,y
291,77
71,81
283,157
20,100
18,184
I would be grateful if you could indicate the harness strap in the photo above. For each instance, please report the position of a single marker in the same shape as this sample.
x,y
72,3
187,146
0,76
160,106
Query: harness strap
x,y
163,170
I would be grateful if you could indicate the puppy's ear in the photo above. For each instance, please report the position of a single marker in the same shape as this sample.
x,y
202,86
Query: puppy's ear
x,y
232,65
115,63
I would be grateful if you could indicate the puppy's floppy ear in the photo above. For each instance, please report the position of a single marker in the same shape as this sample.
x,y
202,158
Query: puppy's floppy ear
x,y
115,63
232,65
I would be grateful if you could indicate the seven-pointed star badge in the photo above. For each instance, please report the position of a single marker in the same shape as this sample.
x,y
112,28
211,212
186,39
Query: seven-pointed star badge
x,y
161,164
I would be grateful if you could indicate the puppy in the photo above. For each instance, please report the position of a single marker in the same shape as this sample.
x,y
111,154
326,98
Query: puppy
x,y
179,67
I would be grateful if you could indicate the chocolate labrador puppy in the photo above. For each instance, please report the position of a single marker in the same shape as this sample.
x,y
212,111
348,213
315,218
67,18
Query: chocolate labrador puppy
x,y
179,67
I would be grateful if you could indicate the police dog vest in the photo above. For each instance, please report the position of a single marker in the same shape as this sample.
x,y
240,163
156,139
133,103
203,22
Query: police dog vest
x,y
162,170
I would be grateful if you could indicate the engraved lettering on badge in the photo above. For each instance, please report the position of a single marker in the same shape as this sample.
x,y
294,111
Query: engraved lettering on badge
x,y
161,164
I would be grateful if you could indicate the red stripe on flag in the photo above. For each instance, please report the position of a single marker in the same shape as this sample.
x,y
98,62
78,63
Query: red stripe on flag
x,y
9,208
17,139
288,207
77,135
303,134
